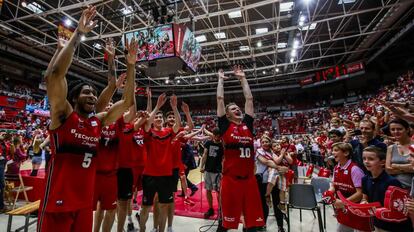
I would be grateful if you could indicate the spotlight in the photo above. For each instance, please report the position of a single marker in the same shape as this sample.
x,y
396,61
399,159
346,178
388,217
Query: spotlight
x,y
83,37
68,22
293,52
277,70
24,4
178,81
292,59
295,44
259,44
166,81
197,80
264,72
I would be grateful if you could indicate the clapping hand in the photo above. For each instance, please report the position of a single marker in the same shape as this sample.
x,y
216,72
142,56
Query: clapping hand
x,y
86,23
238,72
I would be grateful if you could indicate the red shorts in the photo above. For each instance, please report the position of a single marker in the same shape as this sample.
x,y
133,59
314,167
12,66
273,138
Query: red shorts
x,y
80,220
137,172
106,191
241,196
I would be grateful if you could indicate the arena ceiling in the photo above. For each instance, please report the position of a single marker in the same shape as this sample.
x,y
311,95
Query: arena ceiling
x,y
276,41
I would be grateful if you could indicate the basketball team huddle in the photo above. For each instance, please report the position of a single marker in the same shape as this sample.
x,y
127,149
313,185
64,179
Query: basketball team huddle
x,y
103,152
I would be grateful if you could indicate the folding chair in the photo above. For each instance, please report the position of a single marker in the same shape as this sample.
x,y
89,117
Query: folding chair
x,y
320,185
302,197
21,188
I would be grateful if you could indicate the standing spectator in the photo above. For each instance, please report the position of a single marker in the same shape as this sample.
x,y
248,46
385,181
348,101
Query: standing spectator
x,y
376,183
37,153
187,157
211,167
18,155
347,180
366,139
397,163
3,154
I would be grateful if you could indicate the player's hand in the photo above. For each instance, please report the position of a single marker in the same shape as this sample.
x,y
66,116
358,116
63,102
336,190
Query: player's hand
x,y
173,101
185,108
61,43
110,49
238,72
161,100
120,83
142,114
221,74
86,23
132,48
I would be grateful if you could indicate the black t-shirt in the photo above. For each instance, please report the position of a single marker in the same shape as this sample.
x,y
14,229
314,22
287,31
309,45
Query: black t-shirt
x,y
214,159
224,123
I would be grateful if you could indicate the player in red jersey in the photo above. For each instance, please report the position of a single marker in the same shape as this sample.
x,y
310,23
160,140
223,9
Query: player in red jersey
x,y
74,136
239,190
105,194
158,171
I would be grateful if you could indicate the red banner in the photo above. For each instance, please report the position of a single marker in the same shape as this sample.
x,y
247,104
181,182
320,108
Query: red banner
x,y
12,102
351,68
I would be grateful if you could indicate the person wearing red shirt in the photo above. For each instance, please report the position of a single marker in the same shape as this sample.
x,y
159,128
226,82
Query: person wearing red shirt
x,y
74,136
239,190
158,171
176,153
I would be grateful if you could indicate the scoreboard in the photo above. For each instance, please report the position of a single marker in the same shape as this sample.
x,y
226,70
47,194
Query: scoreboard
x,y
332,73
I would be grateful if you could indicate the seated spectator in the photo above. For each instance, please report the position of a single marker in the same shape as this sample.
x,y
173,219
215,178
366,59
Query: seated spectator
x,y
376,183
397,163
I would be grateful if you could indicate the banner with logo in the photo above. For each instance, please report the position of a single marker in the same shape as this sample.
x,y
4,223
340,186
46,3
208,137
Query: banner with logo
x,y
12,102
64,32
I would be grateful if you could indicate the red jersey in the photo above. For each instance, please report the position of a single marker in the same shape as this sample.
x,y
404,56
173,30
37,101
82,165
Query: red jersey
x,y
238,147
133,153
71,176
107,159
343,180
176,151
160,158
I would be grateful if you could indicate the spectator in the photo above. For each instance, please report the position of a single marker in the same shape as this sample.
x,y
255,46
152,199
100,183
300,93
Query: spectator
x,y
3,155
376,183
187,157
397,163
17,155
366,139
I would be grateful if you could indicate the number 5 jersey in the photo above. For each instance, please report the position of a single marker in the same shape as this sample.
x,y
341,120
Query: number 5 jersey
x,y
71,172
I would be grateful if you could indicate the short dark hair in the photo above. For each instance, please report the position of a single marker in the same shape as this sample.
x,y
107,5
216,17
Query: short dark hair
x,y
169,113
159,112
401,122
379,152
75,88
368,121
336,132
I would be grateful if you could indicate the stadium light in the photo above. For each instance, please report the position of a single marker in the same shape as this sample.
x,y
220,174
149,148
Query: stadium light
x,y
166,81
281,45
235,14
220,35
292,59
201,38
127,10
286,6
293,53
24,4
68,22
83,37
244,48
261,30
97,46
197,80
277,70
259,44
295,44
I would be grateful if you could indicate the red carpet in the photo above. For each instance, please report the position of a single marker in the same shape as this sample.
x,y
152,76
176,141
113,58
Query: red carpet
x,y
195,210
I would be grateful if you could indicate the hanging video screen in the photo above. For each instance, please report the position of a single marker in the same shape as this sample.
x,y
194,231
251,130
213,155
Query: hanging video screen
x,y
188,47
153,43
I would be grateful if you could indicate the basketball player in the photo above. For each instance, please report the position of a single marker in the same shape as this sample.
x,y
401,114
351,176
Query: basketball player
x,y
239,191
74,135
158,171
176,153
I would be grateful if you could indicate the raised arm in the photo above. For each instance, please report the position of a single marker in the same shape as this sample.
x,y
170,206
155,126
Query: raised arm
x,y
149,99
118,109
221,108
173,103
186,109
248,106
56,82
160,102
142,118
108,92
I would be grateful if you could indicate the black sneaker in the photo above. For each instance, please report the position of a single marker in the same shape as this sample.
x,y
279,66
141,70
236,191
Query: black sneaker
x,y
209,213
131,227
281,229
193,191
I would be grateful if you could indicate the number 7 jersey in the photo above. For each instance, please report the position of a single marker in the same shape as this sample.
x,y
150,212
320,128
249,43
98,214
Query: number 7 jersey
x,y
71,172
238,147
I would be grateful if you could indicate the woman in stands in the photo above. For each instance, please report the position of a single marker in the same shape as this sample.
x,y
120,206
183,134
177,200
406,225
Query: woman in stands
x,y
397,163
347,180
37,152
74,136
17,154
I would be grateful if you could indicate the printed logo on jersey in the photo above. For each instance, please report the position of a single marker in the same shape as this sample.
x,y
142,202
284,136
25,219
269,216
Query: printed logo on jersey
x,y
139,139
94,123
259,219
89,141
59,202
229,219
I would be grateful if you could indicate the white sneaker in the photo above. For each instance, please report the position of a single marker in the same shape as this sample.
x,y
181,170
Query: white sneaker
x,y
169,229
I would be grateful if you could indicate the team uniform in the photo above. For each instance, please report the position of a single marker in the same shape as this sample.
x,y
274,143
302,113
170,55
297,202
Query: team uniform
x,y
158,171
239,190
343,183
178,167
68,199
106,190
132,159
